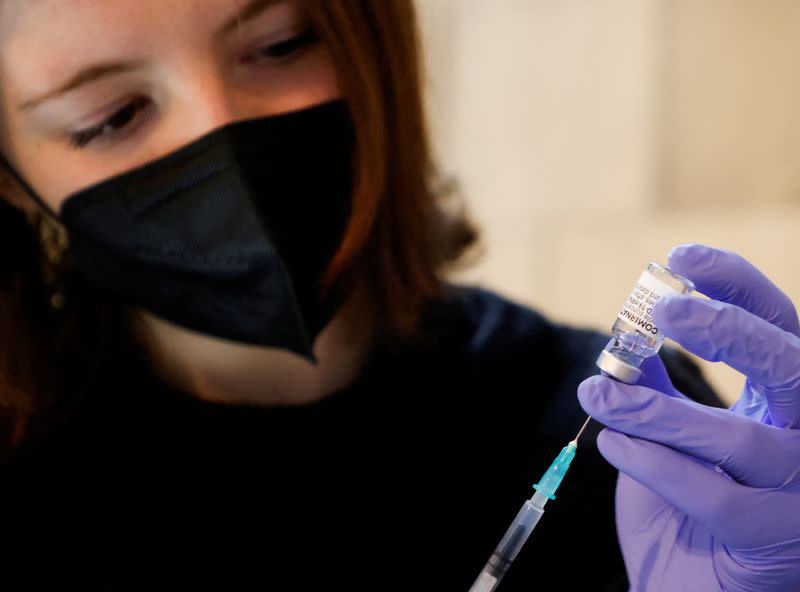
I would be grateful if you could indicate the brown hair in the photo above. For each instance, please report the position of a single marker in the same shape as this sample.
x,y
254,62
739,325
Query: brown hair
x,y
398,239
398,232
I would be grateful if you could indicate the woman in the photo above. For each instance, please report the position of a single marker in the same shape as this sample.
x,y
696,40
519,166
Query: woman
x,y
230,359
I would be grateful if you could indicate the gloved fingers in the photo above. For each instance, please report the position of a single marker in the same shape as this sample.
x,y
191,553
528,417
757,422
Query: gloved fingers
x,y
720,332
741,517
684,482
752,453
655,376
637,507
728,277
752,403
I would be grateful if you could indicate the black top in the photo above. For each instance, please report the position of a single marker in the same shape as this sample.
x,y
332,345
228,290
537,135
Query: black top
x,y
406,480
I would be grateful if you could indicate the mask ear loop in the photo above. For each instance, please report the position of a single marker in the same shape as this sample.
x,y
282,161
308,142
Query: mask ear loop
x,y
26,186
53,239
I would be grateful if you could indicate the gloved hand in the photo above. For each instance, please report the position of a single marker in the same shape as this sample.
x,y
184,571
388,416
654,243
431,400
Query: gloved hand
x,y
709,499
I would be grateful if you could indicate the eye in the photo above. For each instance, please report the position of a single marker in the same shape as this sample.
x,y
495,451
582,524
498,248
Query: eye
x,y
116,125
286,48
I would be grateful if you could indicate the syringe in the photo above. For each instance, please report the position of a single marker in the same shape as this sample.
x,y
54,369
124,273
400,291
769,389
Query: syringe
x,y
526,520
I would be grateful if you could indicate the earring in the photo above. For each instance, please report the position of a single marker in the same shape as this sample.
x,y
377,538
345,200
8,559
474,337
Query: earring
x,y
53,240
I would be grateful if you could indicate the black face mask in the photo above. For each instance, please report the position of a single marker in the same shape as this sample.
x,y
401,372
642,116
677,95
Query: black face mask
x,y
230,235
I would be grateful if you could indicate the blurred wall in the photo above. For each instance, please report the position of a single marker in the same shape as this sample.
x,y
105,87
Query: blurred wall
x,y
590,137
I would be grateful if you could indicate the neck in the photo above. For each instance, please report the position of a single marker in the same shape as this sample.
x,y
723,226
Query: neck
x,y
222,371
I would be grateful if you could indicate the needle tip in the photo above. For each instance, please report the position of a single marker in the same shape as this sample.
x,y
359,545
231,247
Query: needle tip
x,y
586,423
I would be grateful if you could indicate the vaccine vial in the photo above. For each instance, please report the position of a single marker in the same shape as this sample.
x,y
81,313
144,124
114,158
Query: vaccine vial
x,y
636,335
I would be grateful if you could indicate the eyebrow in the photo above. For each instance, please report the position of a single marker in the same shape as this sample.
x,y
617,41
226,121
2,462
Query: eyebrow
x,y
251,10
96,72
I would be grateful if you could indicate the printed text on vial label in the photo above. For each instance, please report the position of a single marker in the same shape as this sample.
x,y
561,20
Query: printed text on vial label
x,y
638,309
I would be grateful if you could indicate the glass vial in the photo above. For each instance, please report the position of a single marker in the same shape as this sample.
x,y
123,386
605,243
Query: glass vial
x,y
636,335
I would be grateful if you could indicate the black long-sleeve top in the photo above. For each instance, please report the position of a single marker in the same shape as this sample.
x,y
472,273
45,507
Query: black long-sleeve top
x,y
405,480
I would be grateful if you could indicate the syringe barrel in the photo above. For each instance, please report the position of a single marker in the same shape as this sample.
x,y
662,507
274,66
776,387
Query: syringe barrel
x,y
519,531
515,537
506,552
523,525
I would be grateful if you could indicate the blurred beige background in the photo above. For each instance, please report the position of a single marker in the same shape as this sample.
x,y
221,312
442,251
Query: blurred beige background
x,y
590,136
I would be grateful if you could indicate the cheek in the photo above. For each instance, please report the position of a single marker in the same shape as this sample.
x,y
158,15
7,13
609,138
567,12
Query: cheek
x,y
323,71
53,171
312,83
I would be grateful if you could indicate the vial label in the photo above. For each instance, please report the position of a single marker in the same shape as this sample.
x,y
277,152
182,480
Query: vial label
x,y
638,309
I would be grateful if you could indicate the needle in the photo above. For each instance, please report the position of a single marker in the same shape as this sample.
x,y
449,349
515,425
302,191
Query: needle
x,y
586,423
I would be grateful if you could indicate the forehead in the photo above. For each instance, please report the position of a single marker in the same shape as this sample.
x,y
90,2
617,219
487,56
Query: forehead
x,y
40,40
49,36
20,15
22,12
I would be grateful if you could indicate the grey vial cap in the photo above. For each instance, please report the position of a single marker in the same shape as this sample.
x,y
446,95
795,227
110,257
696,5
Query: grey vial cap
x,y
618,369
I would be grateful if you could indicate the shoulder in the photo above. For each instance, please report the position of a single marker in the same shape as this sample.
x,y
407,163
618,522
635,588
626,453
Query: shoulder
x,y
512,357
499,325
496,323
508,344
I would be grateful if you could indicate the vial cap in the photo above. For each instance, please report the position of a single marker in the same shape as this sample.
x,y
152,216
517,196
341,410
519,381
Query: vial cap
x,y
618,369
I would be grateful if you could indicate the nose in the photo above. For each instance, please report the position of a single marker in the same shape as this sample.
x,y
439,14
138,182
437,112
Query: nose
x,y
201,102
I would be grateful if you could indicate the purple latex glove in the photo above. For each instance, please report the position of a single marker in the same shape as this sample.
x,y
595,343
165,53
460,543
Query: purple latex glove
x,y
709,499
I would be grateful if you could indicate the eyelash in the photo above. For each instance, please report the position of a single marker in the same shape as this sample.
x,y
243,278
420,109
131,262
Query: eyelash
x,y
287,48
119,120
281,51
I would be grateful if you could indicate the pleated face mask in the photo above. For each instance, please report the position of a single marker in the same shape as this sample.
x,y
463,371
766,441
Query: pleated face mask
x,y
230,235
